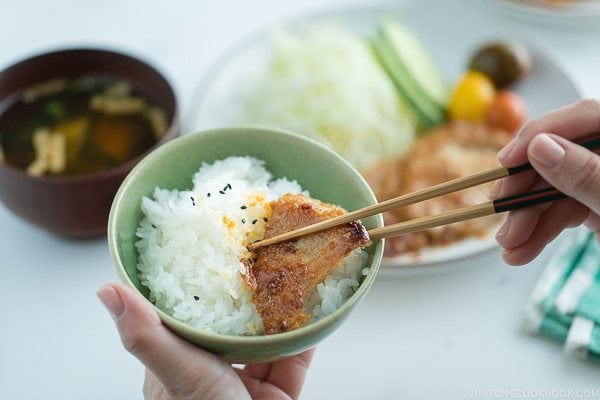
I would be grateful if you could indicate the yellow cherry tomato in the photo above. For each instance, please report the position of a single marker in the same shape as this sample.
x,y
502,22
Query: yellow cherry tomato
x,y
471,97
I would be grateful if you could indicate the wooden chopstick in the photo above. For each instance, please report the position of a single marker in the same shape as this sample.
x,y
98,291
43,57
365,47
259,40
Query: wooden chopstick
x,y
470,212
591,142
404,200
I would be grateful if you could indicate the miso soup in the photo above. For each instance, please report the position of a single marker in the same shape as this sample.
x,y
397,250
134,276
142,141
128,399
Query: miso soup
x,y
78,126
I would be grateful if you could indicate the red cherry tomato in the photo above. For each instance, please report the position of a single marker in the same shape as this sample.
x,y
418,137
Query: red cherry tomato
x,y
506,111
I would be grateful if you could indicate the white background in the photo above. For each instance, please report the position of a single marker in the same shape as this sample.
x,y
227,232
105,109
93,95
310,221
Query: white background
x,y
448,335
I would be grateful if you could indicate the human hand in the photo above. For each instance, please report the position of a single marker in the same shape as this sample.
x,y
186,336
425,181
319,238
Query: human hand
x,y
177,370
568,167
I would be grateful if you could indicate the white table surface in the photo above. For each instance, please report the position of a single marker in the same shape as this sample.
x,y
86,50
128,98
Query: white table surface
x,y
440,336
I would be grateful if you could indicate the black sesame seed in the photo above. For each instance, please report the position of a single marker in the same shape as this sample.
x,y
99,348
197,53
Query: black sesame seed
x,y
254,221
154,226
196,298
243,207
264,219
208,194
222,192
228,186
193,201
243,220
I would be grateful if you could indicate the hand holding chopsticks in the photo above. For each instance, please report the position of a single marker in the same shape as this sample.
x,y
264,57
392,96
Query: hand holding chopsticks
x,y
591,142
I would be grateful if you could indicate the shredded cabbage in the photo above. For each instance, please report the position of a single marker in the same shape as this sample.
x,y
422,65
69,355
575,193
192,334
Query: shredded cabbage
x,y
325,82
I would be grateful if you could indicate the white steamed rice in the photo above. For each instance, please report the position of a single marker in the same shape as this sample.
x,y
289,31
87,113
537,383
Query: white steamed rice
x,y
191,243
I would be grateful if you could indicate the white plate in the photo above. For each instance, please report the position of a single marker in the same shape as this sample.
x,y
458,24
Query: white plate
x,y
572,14
435,259
546,87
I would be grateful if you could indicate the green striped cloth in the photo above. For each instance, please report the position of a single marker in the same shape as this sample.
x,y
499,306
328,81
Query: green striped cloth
x,y
565,304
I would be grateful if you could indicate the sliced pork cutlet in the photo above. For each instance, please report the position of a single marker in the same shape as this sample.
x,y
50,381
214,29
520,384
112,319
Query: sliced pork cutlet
x,y
286,274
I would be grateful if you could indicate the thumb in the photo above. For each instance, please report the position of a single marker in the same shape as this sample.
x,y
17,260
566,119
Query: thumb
x,y
176,363
572,169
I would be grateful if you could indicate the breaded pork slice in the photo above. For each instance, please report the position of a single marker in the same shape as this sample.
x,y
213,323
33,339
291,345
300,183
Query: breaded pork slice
x,y
286,274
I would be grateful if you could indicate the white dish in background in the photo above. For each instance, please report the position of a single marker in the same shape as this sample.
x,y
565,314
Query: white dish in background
x,y
435,259
218,98
573,14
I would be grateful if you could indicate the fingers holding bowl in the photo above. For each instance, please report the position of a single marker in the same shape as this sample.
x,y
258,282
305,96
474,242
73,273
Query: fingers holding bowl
x,y
177,364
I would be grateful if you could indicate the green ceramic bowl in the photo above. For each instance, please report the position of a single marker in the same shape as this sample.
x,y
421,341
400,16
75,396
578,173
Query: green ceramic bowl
x,y
320,171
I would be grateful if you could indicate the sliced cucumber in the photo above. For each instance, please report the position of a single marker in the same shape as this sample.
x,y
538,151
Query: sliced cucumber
x,y
413,72
416,60
426,112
